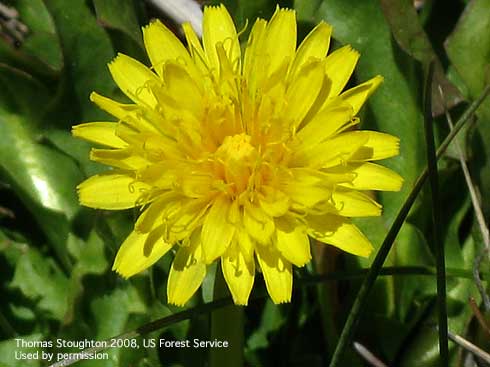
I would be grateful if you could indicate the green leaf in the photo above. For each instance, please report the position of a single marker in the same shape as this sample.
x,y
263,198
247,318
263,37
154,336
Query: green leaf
x,y
271,321
411,37
411,249
471,35
120,15
92,259
42,178
78,149
39,278
456,208
40,51
87,50
8,349
42,41
468,49
11,249
38,173
111,313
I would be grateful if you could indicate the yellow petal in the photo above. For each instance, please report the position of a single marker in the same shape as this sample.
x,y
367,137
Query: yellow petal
x,y
359,94
280,39
133,257
239,275
186,274
217,233
116,109
355,204
162,45
378,146
370,176
154,147
334,151
181,90
196,186
314,46
258,224
339,66
304,187
103,133
112,190
325,124
186,219
350,146
146,221
245,245
292,242
277,274
128,113
120,158
254,55
303,92
134,79
195,48
339,232
218,27
274,202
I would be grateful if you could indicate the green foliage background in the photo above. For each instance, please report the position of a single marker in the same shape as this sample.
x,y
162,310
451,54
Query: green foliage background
x,y
55,256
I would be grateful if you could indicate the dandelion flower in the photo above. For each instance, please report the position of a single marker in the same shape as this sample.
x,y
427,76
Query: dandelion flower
x,y
237,158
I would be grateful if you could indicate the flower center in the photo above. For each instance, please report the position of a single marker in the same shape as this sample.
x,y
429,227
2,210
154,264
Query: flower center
x,y
239,161
237,148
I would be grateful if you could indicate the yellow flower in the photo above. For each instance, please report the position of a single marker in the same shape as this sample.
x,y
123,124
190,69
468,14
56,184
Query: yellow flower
x,y
237,158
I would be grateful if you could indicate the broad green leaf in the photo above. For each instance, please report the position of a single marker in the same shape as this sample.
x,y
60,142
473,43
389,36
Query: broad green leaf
x,y
11,249
471,35
78,149
272,319
9,348
457,204
468,49
38,173
383,295
411,249
42,178
42,41
40,279
410,35
40,49
307,10
110,312
91,259
120,15
107,317
87,50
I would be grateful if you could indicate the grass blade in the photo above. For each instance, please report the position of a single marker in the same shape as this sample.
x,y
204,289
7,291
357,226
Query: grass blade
x,y
436,221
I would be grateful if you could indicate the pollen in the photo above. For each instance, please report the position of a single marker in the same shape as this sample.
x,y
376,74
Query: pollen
x,y
237,148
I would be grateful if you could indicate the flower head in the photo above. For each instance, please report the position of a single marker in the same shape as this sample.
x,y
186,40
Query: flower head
x,y
240,158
